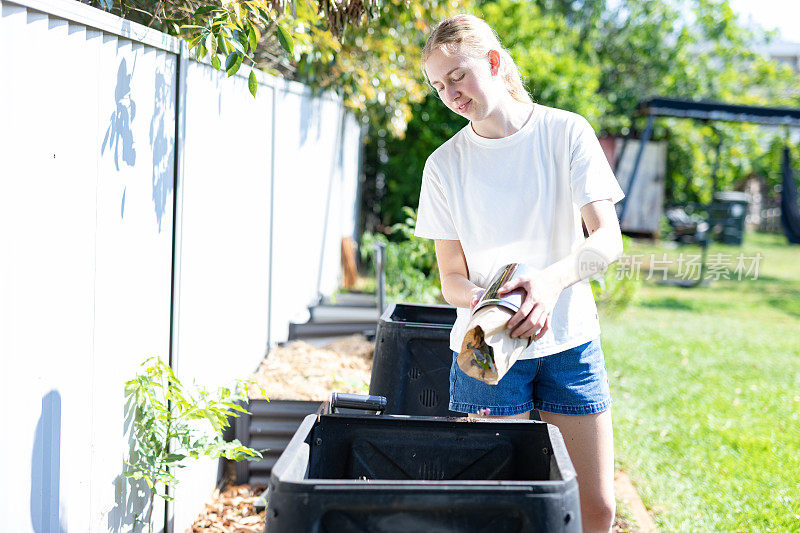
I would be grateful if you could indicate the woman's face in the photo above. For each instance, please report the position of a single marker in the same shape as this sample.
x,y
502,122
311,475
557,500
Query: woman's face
x,y
469,86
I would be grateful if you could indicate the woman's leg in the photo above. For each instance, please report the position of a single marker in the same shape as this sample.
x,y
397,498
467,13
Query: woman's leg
x,y
590,444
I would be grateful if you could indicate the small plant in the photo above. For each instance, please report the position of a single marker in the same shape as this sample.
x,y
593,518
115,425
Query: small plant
x,y
411,271
172,423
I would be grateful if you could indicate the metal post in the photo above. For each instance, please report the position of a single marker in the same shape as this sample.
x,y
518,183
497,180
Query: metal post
x,y
715,169
380,273
648,131
181,67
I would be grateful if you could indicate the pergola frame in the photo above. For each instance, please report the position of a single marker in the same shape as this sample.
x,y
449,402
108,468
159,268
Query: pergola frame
x,y
706,111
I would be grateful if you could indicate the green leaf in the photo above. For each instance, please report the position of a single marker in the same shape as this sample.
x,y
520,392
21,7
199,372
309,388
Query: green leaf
x,y
232,65
174,457
237,46
211,44
252,83
285,39
230,60
215,62
251,37
203,10
222,45
209,414
194,42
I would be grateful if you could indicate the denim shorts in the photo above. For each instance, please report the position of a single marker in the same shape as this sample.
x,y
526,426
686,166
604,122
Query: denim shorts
x,y
572,382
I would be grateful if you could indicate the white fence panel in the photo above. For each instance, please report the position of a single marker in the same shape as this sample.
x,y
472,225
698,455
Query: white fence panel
x,y
223,295
349,178
47,206
90,268
135,154
307,226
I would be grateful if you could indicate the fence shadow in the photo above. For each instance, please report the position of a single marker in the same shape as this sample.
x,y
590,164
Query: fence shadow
x,y
119,135
162,143
130,496
45,500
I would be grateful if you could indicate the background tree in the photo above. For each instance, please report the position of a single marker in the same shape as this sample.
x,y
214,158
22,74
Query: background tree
x,y
587,57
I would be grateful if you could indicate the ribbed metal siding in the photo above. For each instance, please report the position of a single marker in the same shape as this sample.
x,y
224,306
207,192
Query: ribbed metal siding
x,y
269,426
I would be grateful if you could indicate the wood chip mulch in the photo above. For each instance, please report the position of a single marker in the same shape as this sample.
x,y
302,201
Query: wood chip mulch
x,y
232,511
299,371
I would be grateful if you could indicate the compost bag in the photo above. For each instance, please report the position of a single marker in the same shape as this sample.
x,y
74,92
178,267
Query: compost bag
x,y
488,351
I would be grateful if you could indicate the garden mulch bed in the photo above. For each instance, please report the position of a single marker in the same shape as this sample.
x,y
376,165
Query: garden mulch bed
x,y
232,510
299,371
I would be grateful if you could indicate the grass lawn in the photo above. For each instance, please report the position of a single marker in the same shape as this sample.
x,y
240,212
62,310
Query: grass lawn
x,y
706,385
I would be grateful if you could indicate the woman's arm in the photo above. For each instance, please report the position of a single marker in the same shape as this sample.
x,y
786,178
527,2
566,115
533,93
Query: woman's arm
x,y
602,248
457,289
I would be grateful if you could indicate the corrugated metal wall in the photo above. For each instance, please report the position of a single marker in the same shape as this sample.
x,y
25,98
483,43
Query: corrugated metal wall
x,y
265,190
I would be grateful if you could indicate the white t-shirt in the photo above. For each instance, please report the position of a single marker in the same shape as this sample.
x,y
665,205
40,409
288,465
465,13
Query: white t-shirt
x,y
517,200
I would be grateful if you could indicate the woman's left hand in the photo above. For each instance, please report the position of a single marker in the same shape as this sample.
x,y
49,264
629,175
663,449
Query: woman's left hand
x,y
539,299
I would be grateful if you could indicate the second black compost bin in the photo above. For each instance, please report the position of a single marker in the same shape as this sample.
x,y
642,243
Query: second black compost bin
x,y
411,363
397,474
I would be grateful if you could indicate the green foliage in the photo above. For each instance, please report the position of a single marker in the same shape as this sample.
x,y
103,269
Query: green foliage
x,y
399,162
172,423
256,32
374,67
694,50
600,61
545,48
411,270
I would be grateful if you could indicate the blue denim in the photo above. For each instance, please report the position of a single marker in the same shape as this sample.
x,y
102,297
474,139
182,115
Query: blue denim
x,y
572,382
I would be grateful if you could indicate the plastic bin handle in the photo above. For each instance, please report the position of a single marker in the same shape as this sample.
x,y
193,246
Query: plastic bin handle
x,y
357,401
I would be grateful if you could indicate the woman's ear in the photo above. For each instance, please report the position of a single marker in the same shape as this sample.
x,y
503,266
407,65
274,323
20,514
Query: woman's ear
x,y
494,62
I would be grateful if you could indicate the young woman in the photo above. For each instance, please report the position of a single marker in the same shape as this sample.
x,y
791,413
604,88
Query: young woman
x,y
513,186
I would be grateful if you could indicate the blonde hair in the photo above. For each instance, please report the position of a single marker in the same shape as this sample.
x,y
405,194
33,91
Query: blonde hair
x,y
470,35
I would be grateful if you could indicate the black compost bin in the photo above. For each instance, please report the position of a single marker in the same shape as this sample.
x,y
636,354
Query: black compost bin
x,y
727,215
386,474
411,364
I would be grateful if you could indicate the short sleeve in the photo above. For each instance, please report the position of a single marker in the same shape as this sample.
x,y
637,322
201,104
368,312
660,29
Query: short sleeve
x,y
434,220
591,176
